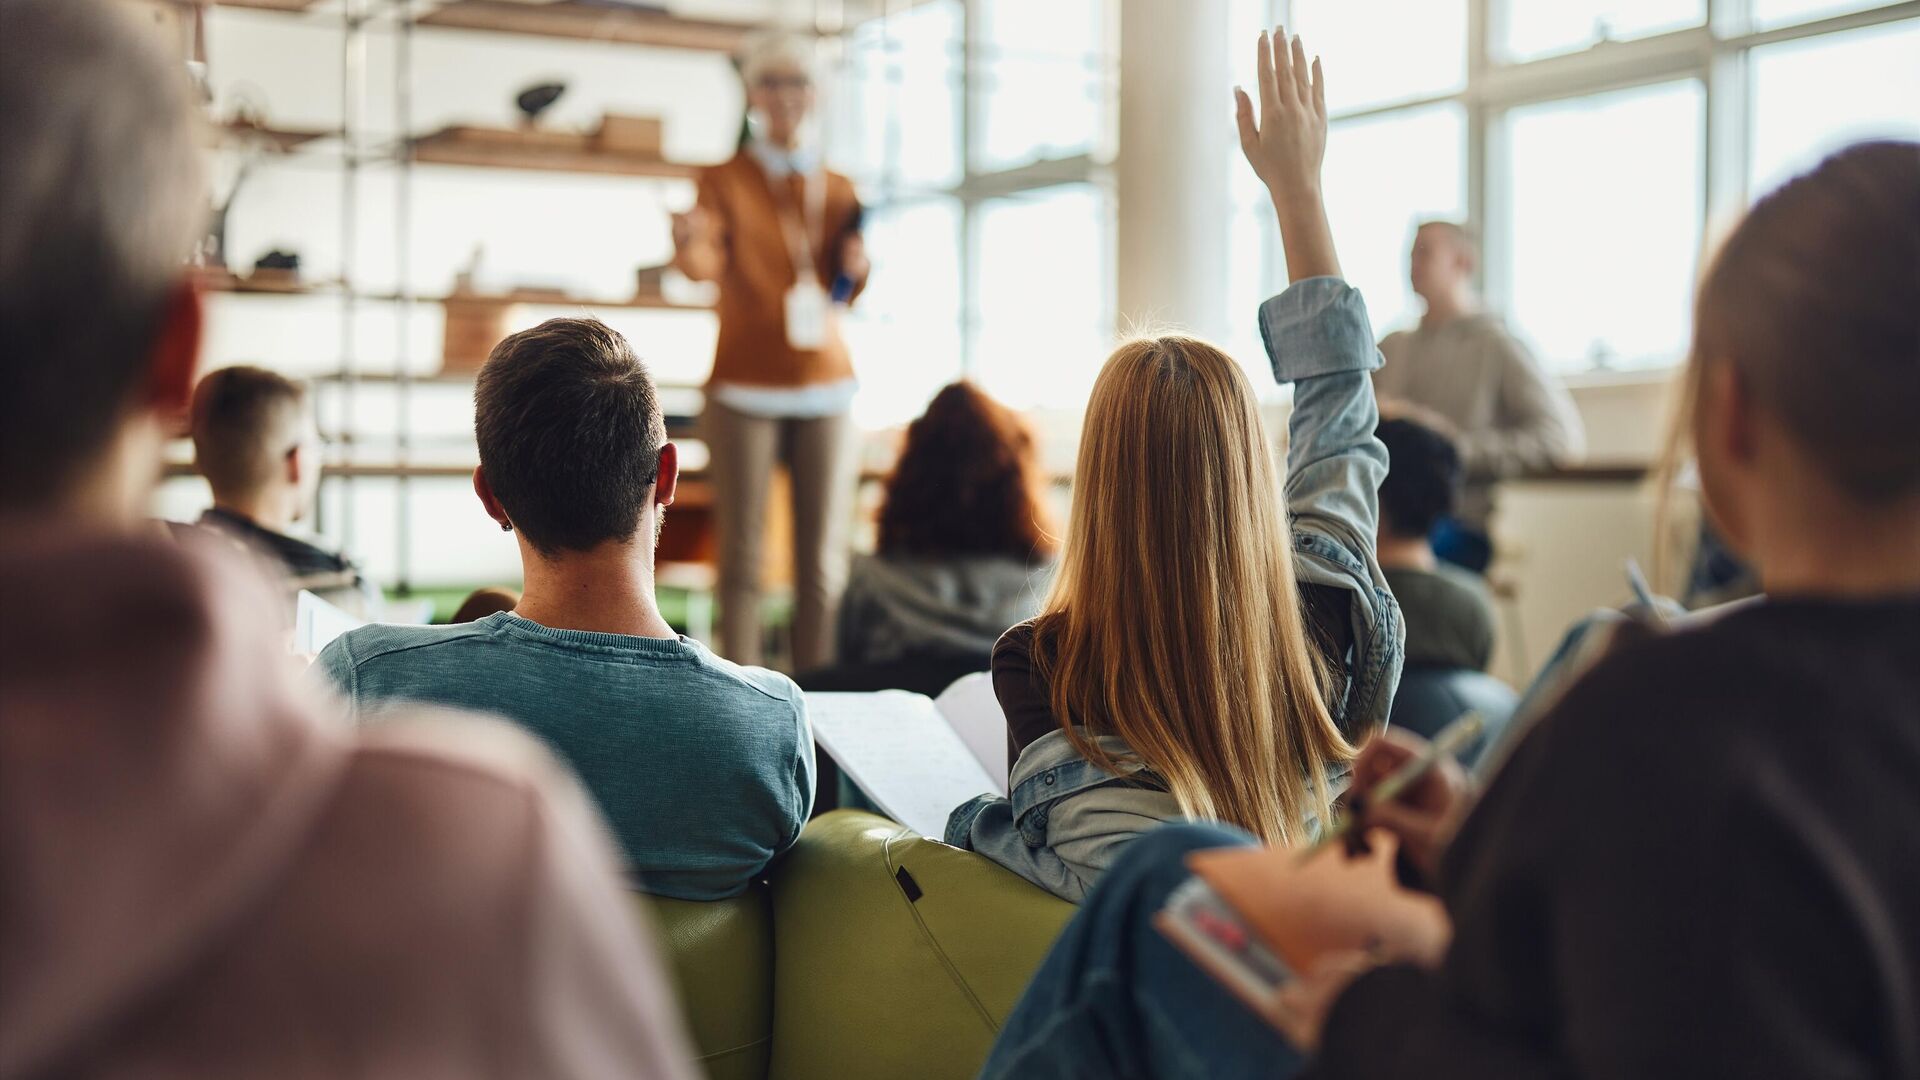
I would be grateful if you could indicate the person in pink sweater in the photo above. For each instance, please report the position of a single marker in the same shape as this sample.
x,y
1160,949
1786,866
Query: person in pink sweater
x,y
202,871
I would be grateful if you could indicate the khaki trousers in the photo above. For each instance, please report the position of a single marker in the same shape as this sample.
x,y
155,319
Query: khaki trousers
x,y
818,453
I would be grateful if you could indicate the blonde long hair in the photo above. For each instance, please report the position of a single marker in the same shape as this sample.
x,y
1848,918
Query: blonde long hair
x,y
1174,621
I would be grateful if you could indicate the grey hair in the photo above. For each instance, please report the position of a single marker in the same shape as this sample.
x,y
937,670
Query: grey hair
x,y
103,196
775,49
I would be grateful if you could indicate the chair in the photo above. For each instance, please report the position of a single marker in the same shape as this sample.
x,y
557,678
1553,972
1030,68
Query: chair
x,y
873,953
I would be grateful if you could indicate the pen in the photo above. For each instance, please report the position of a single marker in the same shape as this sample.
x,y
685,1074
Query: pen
x,y
1451,739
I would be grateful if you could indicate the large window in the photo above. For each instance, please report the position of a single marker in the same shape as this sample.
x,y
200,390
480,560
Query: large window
x,y
973,128
1593,144
1814,95
1044,321
1384,175
1604,212
1530,29
1401,49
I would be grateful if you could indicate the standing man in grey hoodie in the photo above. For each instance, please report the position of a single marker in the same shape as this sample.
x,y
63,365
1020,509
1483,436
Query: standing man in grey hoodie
x,y
200,875
1463,364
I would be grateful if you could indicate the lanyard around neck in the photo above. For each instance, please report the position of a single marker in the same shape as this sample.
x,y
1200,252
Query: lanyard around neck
x,y
798,229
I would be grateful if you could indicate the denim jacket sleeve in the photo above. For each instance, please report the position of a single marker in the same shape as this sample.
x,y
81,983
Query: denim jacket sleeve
x,y
1318,337
1067,819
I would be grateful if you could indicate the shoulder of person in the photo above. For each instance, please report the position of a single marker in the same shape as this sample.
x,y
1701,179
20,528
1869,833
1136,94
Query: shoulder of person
x,y
1463,581
1016,643
1679,697
1491,329
841,186
763,682
364,644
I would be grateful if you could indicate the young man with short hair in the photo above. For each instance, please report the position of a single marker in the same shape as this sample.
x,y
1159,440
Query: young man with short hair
x,y
254,442
703,767
1463,363
1447,612
201,874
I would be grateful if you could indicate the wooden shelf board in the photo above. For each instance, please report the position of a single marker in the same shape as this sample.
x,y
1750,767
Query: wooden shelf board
x,y
279,140
234,284
269,284
590,22
442,148
269,5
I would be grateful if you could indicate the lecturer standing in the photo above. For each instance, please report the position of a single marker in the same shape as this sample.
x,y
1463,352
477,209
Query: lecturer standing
x,y
780,234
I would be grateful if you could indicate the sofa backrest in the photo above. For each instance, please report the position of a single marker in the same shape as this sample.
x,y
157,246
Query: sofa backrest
x,y
895,955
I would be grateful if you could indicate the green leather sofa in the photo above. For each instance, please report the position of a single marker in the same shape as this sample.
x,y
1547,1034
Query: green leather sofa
x,y
872,953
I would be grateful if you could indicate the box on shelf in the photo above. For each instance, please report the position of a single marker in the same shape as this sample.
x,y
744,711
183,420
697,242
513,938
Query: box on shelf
x,y
475,324
637,135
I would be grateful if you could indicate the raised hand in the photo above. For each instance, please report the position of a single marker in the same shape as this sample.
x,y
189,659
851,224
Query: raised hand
x,y
1286,146
1289,142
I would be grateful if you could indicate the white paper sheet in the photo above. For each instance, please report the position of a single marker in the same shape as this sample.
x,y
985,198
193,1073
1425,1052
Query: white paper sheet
x,y
317,622
900,751
973,710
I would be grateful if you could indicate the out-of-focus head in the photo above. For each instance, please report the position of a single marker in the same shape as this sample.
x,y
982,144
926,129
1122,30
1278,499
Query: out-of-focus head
x,y
1806,352
481,603
967,483
1423,477
102,198
253,435
1174,618
570,435
778,69
1443,259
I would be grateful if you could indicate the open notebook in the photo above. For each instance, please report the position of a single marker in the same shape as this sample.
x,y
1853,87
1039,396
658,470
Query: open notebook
x,y
917,758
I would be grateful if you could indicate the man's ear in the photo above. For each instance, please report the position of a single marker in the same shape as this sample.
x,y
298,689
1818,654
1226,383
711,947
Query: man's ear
x,y
667,481
492,505
173,360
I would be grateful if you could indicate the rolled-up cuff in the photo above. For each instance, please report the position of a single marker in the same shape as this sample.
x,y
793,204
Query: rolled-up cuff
x,y
1317,327
960,822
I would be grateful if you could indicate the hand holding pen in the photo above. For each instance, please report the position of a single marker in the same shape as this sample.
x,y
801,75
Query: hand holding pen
x,y
1401,785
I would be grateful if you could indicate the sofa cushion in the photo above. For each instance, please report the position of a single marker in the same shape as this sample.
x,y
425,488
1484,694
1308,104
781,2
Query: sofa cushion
x,y
895,955
721,952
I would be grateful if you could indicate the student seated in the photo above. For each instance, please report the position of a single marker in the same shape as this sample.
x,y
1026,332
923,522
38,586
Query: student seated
x,y
201,874
1448,614
962,552
1704,860
254,441
1447,611
1208,650
703,767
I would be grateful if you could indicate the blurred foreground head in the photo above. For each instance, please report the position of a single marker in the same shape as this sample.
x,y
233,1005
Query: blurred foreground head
x,y
1804,382
102,198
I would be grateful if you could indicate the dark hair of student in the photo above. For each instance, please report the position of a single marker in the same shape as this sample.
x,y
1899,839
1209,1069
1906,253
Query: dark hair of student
x,y
1423,477
1815,299
968,482
245,420
570,432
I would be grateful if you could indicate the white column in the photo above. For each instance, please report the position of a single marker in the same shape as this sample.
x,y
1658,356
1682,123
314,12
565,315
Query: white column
x,y
1176,128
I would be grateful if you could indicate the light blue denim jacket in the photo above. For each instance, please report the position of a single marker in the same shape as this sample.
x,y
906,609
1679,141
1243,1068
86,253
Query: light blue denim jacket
x,y
1067,818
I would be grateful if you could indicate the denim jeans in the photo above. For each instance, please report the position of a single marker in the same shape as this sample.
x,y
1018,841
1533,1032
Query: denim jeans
x,y
1115,999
